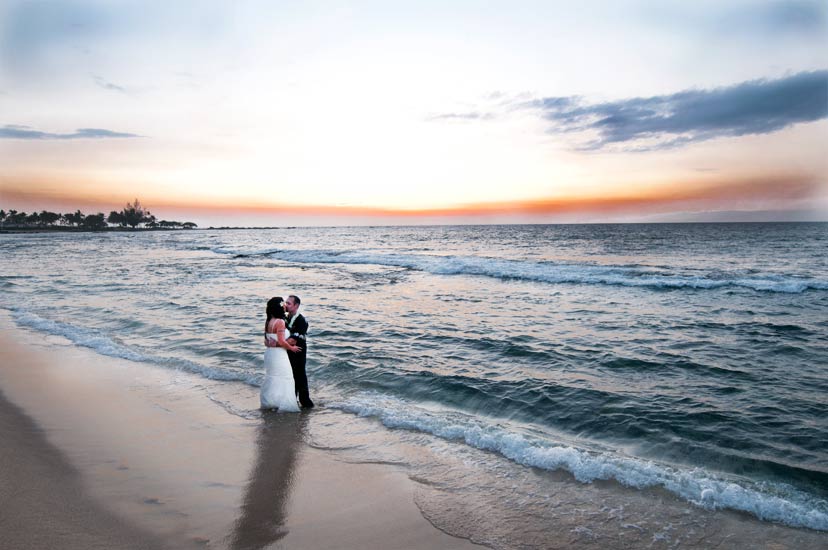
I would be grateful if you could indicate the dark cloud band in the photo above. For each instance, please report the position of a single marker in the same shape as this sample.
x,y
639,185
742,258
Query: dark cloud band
x,y
659,122
24,132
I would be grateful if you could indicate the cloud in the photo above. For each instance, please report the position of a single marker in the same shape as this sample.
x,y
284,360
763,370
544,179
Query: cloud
x,y
801,18
462,116
792,17
795,16
12,131
105,84
668,121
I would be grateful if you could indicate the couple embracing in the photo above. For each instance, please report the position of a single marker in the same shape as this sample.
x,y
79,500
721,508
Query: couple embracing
x,y
285,356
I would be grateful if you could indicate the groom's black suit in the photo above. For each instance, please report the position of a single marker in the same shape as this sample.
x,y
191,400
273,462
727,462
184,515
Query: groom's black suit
x,y
298,328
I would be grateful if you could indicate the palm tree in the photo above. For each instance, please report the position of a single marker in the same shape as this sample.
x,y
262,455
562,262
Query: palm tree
x,y
134,214
49,218
116,218
16,218
75,219
95,221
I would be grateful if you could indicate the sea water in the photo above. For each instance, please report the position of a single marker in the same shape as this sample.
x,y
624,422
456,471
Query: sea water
x,y
687,361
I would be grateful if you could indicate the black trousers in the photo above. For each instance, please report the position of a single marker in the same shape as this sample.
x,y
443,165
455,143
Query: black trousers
x,y
300,377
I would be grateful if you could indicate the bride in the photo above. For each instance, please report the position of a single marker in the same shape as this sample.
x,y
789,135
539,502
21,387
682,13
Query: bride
x,y
278,389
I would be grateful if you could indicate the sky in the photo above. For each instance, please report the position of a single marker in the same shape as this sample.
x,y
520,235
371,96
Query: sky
x,y
268,113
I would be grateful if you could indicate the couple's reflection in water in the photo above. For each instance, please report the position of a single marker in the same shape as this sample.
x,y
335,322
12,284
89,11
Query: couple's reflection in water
x,y
265,505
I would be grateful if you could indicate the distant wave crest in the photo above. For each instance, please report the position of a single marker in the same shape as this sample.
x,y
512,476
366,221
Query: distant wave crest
x,y
547,272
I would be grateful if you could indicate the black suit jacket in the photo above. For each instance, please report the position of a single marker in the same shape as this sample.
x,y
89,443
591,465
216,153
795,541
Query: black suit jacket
x,y
299,330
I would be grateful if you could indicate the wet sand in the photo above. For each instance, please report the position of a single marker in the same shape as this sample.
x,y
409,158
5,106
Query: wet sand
x,y
42,498
101,452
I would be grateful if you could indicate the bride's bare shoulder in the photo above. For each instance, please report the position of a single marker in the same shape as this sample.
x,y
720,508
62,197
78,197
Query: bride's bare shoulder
x,y
275,325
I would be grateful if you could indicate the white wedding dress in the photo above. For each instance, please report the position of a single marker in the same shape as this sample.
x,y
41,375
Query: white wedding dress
x,y
278,390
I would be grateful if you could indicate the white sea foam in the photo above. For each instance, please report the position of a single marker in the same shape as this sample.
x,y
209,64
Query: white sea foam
x,y
247,414
548,272
780,503
78,335
105,345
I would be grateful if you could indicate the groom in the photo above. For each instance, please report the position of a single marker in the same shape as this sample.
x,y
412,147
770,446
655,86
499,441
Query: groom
x,y
298,328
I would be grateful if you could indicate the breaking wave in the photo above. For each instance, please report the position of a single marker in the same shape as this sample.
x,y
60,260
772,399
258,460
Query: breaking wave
x,y
546,272
768,501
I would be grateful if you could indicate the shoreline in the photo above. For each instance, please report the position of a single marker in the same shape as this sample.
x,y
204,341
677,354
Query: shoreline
x,y
109,450
26,230
191,462
15,230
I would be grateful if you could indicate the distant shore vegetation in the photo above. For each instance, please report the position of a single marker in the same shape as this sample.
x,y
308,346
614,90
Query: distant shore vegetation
x,y
132,217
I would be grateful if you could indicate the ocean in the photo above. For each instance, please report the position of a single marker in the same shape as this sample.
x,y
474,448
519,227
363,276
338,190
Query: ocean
x,y
510,368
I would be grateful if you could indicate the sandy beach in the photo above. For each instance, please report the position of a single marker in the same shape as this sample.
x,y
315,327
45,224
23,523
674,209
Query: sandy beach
x,y
100,452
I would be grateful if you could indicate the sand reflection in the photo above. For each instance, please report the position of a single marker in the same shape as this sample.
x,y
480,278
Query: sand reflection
x,y
264,509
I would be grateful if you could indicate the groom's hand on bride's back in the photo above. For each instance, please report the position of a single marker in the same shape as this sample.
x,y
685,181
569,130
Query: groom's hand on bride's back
x,y
292,342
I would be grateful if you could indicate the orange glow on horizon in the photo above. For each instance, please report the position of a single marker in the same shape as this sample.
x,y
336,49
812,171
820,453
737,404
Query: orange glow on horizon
x,y
711,192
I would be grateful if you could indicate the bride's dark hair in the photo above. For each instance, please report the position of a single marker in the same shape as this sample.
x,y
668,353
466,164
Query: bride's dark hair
x,y
275,310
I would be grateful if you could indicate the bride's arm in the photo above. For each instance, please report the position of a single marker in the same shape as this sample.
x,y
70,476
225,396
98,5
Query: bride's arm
x,y
280,334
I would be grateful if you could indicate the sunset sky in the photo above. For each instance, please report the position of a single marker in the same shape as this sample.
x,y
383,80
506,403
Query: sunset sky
x,y
283,113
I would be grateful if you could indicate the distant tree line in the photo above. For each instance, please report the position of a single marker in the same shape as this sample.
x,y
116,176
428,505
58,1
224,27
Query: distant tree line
x,y
132,215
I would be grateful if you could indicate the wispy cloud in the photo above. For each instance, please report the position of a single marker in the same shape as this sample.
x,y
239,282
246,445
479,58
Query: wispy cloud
x,y
12,131
106,85
667,121
472,115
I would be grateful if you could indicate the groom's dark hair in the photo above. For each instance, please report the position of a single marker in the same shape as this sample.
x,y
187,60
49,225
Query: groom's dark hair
x,y
296,299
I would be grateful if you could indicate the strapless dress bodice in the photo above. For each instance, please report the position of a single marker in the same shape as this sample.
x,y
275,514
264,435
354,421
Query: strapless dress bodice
x,y
275,336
